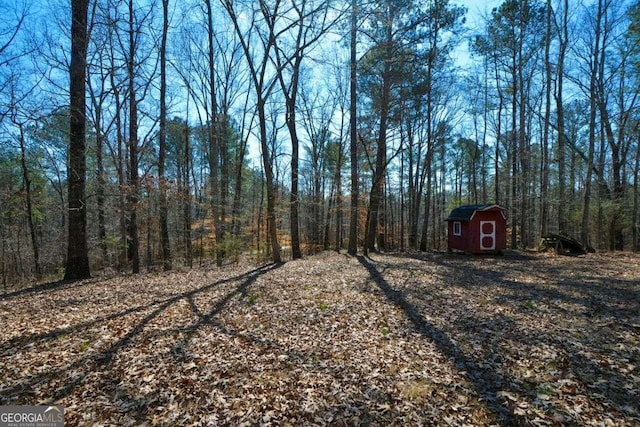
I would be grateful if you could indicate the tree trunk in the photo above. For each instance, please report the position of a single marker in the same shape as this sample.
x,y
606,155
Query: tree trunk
x,y
119,159
600,224
513,154
338,183
337,180
413,196
353,133
424,239
3,262
272,228
585,234
485,128
214,147
317,199
223,156
164,210
564,40
77,266
376,194
636,196
327,221
523,154
186,195
101,183
29,200
544,164
499,136
123,251
402,203
237,188
294,201
133,243
616,231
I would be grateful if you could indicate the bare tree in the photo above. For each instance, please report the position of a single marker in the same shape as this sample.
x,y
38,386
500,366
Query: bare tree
x,y
26,179
164,226
133,198
77,266
99,79
353,129
310,22
214,140
263,85
562,28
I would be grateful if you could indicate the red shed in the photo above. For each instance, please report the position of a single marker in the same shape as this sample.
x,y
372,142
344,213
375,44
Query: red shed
x,y
477,229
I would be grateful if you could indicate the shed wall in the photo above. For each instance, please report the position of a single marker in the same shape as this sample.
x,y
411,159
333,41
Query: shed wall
x,y
461,242
469,239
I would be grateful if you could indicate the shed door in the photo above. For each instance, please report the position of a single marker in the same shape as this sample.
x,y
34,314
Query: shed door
x,y
487,235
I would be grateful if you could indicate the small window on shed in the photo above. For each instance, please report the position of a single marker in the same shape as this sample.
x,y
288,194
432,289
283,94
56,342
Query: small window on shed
x,y
457,228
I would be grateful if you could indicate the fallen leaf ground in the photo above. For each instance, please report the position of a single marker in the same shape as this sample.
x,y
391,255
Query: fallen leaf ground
x,y
524,339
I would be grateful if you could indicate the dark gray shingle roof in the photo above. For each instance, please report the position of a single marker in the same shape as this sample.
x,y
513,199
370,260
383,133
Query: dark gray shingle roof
x,y
464,213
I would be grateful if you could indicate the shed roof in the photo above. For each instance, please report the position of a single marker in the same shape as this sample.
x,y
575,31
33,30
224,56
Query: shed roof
x,y
464,213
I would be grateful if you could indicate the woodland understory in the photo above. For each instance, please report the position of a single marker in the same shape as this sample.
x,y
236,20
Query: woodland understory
x,y
391,339
141,134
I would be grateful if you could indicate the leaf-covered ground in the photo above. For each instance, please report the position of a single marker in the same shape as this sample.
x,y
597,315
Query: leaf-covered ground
x,y
524,339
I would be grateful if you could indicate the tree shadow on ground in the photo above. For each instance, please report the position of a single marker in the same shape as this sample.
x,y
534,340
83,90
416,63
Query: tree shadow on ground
x,y
597,293
486,381
45,287
97,362
606,307
431,256
104,373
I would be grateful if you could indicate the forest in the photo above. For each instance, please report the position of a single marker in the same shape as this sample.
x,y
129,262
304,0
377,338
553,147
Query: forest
x,y
155,134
